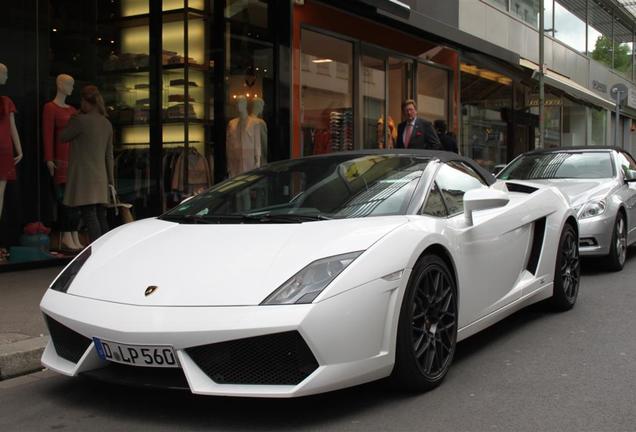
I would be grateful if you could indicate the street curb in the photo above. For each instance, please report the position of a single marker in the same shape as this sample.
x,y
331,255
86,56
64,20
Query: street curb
x,y
21,357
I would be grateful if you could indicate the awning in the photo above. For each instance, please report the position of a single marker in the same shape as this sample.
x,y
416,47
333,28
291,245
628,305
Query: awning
x,y
565,84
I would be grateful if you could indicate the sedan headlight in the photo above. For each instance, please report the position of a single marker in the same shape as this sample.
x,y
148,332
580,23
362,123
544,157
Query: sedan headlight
x,y
63,281
591,209
305,285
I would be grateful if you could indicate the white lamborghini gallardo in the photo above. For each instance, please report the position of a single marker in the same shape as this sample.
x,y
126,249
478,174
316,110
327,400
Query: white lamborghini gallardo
x,y
313,274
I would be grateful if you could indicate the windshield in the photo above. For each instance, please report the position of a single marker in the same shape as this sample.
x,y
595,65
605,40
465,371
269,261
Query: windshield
x,y
560,165
316,188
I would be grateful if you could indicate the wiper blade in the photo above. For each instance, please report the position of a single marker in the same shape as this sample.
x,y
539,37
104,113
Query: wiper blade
x,y
206,219
243,218
187,219
285,217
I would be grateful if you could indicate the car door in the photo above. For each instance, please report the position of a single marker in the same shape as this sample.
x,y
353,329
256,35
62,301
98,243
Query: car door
x,y
628,195
491,257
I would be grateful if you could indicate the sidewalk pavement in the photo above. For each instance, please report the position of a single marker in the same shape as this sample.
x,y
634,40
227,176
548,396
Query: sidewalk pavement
x,y
23,333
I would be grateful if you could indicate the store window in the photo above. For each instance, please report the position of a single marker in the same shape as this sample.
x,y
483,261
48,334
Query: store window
x,y
502,4
574,124
249,79
432,92
526,10
598,127
326,93
377,131
548,17
486,97
569,26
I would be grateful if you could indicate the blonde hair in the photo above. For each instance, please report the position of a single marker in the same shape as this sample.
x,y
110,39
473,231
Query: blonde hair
x,y
91,94
409,102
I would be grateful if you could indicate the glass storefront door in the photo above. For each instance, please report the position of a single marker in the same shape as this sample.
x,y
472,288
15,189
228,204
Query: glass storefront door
x,y
373,85
386,82
400,86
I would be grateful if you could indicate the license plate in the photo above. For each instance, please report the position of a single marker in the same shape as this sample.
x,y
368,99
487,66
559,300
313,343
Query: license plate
x,y
136,355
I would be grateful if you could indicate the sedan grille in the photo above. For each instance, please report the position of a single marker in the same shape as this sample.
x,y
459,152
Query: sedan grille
x,y
275,359
68,344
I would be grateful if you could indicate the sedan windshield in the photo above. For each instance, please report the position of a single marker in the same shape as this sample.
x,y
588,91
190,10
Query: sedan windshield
x,y
560,165
316,188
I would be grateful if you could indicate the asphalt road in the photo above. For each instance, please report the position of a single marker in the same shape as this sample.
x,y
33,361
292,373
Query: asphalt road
x,y
535,371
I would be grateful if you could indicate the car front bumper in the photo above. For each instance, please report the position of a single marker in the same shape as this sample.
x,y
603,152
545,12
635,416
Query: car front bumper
x,y
595,235
351,336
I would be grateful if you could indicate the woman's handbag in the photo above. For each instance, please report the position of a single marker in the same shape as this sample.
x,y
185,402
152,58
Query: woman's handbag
x,y
121,209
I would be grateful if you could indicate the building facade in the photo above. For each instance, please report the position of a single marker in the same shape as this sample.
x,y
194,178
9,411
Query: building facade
x,y
200,90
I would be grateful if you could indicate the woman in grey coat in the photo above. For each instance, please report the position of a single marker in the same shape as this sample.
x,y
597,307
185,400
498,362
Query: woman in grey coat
x,y
90,164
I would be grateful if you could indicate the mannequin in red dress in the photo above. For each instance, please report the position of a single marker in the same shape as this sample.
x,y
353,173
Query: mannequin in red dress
x,y
9,139
55,117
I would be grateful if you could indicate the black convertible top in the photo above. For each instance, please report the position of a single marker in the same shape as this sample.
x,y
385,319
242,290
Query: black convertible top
x,y
443,156
574,148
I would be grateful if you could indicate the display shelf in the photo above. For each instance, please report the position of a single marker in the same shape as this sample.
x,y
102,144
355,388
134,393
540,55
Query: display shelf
x,y
198,121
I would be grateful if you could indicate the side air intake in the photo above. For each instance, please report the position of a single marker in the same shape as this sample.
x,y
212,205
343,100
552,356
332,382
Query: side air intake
x,y
537,245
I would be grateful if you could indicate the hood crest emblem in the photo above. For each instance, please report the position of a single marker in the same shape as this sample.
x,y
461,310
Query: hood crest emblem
x,y
150,290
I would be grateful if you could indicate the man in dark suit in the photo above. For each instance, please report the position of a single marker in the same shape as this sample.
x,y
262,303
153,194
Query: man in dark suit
x,y
449,143
416,132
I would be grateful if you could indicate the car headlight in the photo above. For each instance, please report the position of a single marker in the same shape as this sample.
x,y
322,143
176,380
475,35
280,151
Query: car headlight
x,y
63,281
591,209
304,286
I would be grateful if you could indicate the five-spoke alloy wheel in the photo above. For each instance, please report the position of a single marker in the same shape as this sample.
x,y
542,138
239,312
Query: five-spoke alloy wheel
x,y
618,247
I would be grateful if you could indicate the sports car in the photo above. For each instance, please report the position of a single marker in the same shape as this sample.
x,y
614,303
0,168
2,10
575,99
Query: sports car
x,y
600,183
313,274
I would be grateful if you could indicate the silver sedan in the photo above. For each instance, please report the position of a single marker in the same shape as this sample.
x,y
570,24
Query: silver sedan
x,y
600,183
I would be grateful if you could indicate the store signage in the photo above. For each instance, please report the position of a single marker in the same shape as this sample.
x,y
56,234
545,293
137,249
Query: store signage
x,y
599,86
547,102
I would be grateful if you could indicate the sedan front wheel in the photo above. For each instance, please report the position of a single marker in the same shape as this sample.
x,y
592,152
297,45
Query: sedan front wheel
x,y
618,247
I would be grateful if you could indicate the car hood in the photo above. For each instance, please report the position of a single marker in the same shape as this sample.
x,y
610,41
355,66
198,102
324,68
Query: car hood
x,y
577,191
214,265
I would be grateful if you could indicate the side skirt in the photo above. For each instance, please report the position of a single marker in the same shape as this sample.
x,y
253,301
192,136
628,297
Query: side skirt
x,y
536,296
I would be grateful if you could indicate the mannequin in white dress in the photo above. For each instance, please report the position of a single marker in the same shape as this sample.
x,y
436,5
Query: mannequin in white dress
x,y
243,141
261,127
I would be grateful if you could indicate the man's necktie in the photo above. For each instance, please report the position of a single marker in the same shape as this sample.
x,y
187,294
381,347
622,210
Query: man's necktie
x,y
407,135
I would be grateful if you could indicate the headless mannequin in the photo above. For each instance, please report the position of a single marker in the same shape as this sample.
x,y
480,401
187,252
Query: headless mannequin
x,y
258,123
13,135
55,118
237,137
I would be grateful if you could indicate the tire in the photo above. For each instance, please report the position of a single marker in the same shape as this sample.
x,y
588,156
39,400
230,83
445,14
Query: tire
x,y
427,327
567,272
618,246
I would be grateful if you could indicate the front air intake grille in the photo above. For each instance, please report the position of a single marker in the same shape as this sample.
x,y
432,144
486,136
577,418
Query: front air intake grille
x,y
68,344
148,377
275,359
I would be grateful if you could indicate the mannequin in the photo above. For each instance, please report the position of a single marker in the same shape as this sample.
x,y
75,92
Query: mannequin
x,y
261,127
243,141
55,117
392,133
9,139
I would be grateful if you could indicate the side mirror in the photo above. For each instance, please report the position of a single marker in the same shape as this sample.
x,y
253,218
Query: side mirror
x,y
483,199
497,169
630,176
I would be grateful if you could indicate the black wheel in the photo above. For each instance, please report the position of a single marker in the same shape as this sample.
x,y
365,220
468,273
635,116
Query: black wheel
x,y
427,327
567,273
618,246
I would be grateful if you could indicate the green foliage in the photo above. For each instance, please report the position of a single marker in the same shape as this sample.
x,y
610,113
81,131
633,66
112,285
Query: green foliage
x,y
603,53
